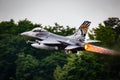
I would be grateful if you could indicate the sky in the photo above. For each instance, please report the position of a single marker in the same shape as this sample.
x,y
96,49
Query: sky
x,y
64,12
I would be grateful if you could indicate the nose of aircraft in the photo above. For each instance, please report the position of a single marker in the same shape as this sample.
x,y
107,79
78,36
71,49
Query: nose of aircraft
x,y
24,34
29,34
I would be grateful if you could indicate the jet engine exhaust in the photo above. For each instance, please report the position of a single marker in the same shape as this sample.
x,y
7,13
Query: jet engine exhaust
x,y
101,50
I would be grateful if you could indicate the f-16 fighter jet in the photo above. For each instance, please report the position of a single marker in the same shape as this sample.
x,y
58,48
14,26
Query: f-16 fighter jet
x,y
71,44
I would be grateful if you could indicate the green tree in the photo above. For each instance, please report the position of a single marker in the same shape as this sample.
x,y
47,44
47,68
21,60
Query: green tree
x,y
48,64
8,27
110,36
7,50
12,44
109,33
26,67
80,67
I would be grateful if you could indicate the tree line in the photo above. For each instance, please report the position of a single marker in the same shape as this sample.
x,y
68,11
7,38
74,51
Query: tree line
x,y
20,61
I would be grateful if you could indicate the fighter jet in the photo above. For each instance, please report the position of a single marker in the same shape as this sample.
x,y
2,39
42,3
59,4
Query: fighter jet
x,y
49,41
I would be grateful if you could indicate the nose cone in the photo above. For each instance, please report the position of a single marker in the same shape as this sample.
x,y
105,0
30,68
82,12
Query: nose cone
x,y
24,34
28,34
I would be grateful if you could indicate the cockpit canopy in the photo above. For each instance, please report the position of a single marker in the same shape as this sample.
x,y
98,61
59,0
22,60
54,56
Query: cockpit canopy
x,y
38,29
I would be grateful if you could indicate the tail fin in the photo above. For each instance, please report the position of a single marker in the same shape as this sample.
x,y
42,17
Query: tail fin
x,y
84,28
81,32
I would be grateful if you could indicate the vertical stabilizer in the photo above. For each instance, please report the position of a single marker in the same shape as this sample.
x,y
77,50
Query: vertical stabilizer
x,y
81,32
84,28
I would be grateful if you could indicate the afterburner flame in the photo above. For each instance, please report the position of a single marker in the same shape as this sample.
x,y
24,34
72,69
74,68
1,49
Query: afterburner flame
x,y
89,47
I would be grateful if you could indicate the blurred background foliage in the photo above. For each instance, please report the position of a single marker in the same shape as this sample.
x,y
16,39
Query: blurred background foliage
x,y
19,61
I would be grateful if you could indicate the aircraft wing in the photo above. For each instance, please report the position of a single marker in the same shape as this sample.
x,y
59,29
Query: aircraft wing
x,y
50,41
71,47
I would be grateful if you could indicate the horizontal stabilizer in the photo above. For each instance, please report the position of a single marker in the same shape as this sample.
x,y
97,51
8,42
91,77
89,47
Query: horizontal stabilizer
x,y
91,41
